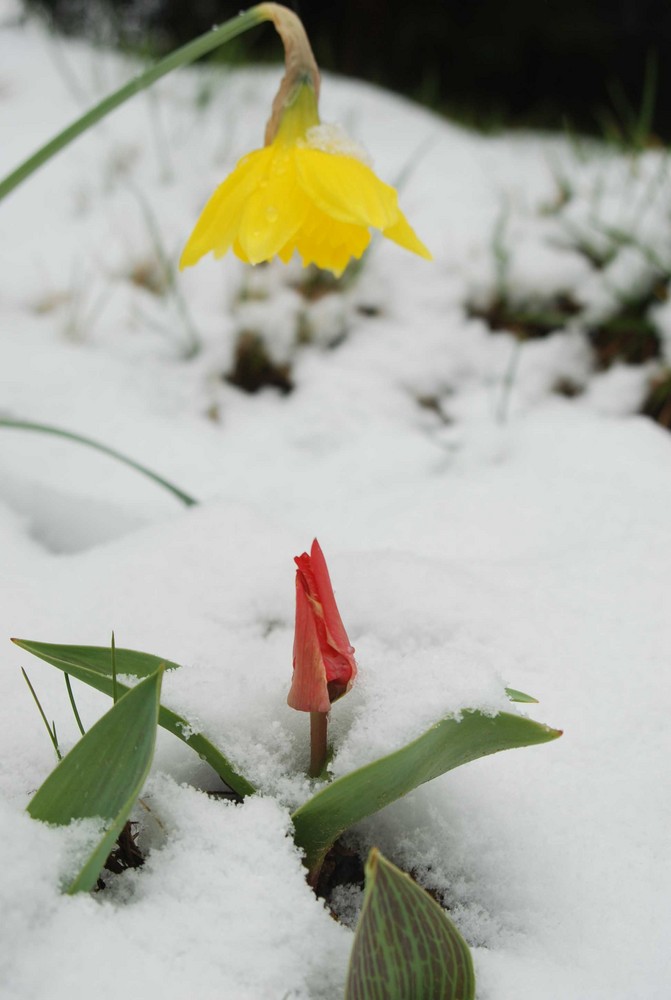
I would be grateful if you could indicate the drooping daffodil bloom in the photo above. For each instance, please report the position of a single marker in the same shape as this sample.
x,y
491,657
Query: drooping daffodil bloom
x,y
308,189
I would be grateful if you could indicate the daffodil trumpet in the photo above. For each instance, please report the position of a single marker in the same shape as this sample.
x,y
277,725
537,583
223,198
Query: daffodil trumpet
x,y
308,190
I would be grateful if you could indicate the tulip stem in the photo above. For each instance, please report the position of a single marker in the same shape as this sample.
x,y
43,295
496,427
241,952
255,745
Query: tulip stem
x,y
318,730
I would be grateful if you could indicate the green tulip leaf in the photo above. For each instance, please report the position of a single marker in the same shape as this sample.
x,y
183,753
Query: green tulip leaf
x,y
103,774
446,745
405,945
93,666
520,696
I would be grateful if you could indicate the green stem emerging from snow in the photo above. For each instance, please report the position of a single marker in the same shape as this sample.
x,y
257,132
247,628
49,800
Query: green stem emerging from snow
x,y
180,57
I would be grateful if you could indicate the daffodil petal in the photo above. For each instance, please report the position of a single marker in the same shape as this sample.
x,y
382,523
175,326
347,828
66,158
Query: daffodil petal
x,y
287,252
274,211
238,251
346,189
403,234
217,227
328,243
334,259
290,197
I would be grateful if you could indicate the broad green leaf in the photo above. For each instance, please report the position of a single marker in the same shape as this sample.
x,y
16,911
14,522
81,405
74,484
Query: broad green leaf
x,y
520,696
93,666
405,945
98,660
103,774
323,818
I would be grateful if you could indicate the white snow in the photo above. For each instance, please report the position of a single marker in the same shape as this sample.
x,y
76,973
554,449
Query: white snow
x,y
481,531
331,137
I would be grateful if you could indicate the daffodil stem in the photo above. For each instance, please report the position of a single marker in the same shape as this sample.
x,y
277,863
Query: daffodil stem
x,y
318,742
180,57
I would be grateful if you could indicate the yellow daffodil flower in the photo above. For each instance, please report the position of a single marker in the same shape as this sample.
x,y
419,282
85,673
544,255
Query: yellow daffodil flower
x,y
307,190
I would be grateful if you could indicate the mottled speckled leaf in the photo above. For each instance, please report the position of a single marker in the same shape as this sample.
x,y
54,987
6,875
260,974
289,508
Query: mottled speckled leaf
x,y
405,945
103,774
93,666
451,742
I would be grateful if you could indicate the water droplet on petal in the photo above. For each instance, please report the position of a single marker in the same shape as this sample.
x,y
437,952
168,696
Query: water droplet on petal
x,y
271,213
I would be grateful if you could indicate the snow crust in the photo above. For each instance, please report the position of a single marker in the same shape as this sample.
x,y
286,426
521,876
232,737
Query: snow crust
x,y
479,534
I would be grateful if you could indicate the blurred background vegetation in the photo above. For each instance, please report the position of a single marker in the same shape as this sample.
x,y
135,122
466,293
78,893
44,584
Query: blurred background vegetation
x,y
590,65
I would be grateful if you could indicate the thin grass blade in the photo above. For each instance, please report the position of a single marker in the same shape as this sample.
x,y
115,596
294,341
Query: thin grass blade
x,y
51,727
92,665
29,425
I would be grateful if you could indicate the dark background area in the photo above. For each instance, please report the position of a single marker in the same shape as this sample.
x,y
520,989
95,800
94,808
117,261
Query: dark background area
x,y
590,65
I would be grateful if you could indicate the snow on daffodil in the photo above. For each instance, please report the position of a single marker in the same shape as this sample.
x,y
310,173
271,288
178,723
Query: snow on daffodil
x,y
306,190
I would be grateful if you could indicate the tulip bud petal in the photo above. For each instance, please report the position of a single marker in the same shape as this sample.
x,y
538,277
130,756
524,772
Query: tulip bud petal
x,y
324,665
309,691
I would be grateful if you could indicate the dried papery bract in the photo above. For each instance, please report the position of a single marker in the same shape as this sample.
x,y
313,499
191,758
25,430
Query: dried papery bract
x,y
300,63
324,664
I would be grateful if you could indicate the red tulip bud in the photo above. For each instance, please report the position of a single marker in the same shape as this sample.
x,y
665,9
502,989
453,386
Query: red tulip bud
x,y
324,665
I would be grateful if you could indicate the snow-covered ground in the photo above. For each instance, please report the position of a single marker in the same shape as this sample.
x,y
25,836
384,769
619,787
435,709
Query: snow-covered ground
x,y
482,529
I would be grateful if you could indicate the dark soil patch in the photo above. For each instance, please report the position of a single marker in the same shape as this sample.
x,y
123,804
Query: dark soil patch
x,y
368,310
433,404
148,274
342,866
658,402
626,337
315,284
253,368
568,388
527,321
126,854
629,335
